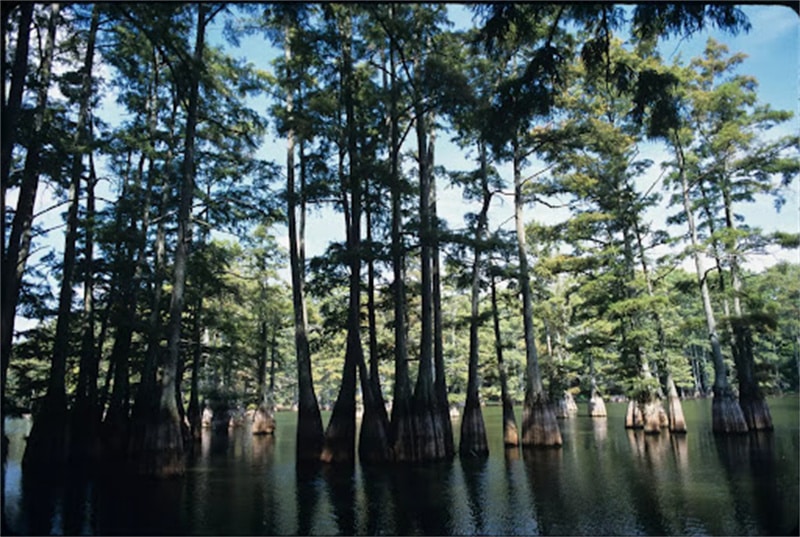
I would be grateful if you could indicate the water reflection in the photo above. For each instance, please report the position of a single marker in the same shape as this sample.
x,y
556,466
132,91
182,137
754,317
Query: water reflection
x,y
605,480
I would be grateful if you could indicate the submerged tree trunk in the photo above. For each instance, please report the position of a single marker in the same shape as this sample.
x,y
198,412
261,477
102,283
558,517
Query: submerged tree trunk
x,y
539,423
726,414
263,419
15,256
510,432
473,430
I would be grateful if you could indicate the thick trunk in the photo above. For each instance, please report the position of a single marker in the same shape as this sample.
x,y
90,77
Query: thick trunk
x,y
539,423
510,432
726,414
16,253
473,430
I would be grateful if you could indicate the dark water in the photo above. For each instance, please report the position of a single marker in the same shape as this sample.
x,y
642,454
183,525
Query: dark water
x,y
605,480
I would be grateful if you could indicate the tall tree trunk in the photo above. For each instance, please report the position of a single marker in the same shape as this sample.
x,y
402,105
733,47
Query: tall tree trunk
x,y
163,450
10,111
83,423
309,421
402,421
751,399
473,431
194,412
16,253
340,435
428,438
442,420
510,431
726,414
539,423
47,443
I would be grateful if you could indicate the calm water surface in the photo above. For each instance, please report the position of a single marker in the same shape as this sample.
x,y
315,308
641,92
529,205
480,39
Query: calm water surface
x,y
605,480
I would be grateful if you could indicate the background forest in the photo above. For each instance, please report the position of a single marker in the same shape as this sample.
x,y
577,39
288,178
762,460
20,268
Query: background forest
x,y
158,190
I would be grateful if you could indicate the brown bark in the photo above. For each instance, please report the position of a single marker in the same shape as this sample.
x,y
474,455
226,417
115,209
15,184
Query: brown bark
x,y
263,419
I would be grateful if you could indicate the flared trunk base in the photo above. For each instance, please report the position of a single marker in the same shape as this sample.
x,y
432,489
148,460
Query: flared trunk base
x,y
597,407
540,425
473,432
263,421
162,452
726,414
756,413
677,423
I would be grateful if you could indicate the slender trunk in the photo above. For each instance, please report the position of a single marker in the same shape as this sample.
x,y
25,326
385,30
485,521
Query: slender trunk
x,y
539,423
83,424
428,438
263,419
16,253
163,450
510,432
443,424
726,416
47,443
11,108
473,430
193,412
340,435
309,422
402,422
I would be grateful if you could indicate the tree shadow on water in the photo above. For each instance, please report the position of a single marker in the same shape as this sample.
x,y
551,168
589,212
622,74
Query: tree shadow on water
x,y
340,480
752,474
307,479
422,498
475,475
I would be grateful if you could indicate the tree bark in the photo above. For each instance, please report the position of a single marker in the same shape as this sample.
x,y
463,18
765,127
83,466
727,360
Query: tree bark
x,y
539,423
263,419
